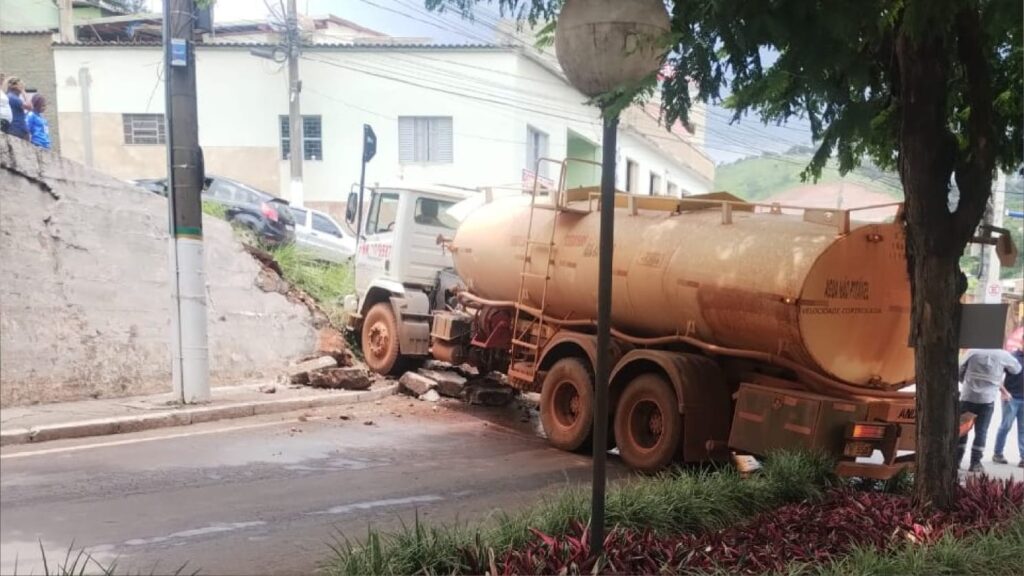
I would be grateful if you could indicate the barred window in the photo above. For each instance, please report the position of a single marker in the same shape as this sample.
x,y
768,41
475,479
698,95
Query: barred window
x,y
312,138
144,129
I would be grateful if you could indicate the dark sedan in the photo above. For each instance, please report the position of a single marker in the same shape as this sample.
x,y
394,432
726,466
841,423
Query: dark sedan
x,y
265,215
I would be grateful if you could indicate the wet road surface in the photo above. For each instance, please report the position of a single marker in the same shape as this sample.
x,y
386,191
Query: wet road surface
x,y
267,495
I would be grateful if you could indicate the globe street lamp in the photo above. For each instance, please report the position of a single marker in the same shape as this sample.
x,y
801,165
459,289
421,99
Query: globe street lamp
x,y
606,46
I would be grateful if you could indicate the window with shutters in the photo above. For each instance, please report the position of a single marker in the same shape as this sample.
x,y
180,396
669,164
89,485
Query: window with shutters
x,y
425,140
144,129
536,148
312,138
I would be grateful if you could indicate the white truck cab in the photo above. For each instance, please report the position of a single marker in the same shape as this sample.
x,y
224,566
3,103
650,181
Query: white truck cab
x,y
402,270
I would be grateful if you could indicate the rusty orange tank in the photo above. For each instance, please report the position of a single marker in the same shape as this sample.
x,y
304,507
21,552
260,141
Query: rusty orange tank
x,y
831,296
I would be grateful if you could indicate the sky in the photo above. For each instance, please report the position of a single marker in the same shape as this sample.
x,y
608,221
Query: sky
x,y
725,142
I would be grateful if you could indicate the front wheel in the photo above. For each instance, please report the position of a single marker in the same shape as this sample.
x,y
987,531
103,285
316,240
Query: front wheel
x,y
648,426
380,340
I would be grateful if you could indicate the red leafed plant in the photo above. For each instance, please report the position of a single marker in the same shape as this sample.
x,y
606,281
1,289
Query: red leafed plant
x,y
792,533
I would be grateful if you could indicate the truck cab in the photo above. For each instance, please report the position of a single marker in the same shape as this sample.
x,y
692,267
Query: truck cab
x,y
402,270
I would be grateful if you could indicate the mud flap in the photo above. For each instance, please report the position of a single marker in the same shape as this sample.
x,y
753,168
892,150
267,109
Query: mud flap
x,y
412,311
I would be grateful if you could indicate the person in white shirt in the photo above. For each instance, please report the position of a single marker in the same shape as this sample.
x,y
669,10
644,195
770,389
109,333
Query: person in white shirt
x,y
5,106
981,384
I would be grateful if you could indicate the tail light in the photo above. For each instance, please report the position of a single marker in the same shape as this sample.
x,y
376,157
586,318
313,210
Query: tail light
x,y
868,432
269,211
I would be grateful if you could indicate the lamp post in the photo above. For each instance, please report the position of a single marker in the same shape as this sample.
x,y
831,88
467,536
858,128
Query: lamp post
x,y
602,46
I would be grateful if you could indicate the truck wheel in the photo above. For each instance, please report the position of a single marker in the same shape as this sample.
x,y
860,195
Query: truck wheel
x,y
567,404
648,426
380,339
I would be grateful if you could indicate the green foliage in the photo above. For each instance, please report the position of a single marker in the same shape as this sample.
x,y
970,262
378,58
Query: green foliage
x,y
214,209
327,283
672,502
759,178
997,552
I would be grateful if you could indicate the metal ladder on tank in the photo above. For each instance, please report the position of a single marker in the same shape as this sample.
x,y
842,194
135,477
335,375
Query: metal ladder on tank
x,y
529,341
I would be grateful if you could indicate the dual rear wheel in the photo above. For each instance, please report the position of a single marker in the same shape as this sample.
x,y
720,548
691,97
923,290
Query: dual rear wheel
x,y
647,425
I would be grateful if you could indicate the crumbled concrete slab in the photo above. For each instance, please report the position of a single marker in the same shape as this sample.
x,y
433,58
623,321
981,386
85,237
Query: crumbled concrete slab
x,y
449,383
416,384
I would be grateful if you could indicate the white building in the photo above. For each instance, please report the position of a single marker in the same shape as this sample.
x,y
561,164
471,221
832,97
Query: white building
x,y
465,115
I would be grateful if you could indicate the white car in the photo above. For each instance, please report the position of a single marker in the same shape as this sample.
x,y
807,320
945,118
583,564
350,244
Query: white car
x,y
319,234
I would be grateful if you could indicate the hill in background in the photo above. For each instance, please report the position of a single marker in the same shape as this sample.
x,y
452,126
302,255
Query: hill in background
x,y
776,178
763,177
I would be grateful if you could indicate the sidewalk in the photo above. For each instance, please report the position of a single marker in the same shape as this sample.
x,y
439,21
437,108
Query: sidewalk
x,y
45,422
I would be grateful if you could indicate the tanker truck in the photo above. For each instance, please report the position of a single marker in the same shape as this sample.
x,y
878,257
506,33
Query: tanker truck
x,y
736,327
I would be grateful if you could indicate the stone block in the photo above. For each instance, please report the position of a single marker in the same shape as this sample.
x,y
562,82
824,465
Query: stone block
x,y
416,384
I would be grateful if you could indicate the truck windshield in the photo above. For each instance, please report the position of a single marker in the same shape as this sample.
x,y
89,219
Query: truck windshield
x,y
433,212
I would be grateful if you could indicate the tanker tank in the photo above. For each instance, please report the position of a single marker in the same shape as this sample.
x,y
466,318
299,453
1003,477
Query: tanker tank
x,y
794,285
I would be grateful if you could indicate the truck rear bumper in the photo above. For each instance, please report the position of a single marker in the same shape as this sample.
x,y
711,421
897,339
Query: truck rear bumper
x,y
872,470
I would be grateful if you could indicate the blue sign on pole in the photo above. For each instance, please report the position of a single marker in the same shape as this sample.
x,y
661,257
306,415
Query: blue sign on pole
x,y
179,52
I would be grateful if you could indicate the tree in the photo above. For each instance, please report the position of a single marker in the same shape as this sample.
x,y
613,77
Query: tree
x,y
130,6
931,88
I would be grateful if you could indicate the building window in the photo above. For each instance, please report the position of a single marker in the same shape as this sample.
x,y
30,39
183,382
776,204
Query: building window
x,y
655,188
144,129
312,138
536,148
425,139
632,173
672,189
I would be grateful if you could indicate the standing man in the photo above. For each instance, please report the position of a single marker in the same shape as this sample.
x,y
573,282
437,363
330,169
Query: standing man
x,y
981,383
1013,410
17,100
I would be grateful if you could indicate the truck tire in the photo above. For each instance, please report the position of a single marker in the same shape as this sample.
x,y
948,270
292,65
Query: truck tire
x,y
380,340
567,404
648,426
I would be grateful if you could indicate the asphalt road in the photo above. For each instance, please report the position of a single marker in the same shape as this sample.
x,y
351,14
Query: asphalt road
x,y
267,495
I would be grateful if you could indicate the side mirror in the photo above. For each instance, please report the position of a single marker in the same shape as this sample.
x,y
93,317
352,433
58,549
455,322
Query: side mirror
x,y
351,206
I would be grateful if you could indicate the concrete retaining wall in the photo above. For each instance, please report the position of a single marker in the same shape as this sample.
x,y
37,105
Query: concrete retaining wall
x,y
85,296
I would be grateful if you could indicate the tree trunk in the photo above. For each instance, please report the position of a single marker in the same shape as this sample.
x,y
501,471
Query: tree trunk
x,y
936,297
927,152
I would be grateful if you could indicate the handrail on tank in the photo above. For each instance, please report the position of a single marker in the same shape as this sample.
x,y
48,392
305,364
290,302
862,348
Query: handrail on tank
x,y
563,164
837,217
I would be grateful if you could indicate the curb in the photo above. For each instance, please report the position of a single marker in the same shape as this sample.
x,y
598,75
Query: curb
x,y
185,417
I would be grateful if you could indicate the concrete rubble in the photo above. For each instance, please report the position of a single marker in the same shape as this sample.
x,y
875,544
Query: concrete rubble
x,y
416,384
448,383
348,378
431,396
488,392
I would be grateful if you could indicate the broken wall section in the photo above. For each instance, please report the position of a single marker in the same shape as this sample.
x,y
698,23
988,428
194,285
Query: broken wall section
x,y
85,289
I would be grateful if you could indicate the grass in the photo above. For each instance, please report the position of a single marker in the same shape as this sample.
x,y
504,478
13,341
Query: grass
x,y
672,502
215,210
996,552
325,282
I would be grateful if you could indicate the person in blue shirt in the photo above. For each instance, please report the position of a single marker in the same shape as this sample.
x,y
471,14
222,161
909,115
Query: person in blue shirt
x,y
1013,411
38,126
16,98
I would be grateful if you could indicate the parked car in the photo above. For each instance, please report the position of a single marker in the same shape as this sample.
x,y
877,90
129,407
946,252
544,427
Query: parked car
x,y
264,214
321,235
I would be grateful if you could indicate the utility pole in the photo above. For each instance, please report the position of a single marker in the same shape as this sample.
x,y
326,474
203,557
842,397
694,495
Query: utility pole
x,y
189,354
988,290
66,24
295,192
